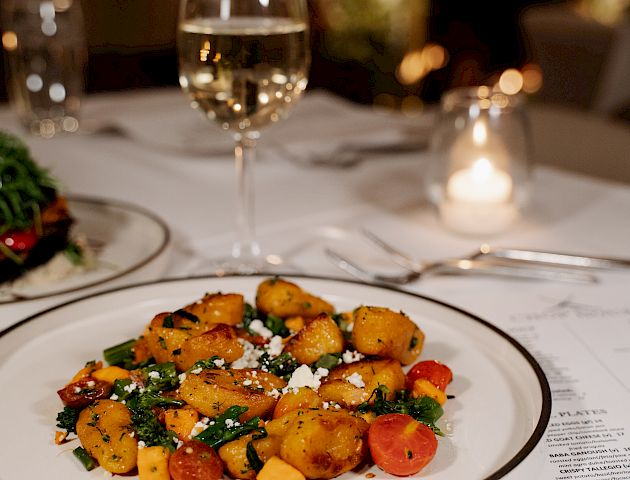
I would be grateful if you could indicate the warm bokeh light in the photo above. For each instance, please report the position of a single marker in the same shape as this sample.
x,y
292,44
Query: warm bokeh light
x,y
62,5
9,41
511,81
608,12
411,105
532,78
416,64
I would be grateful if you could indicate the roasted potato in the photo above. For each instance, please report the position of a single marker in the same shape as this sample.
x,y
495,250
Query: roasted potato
x,y
383,332
105,431
336,388
165,335
302,399
218,308
285,299
320,336
234,454
324,443
220,340
212,392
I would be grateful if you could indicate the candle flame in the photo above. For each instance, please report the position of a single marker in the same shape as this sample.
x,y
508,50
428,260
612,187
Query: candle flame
x,y
481,170
480,134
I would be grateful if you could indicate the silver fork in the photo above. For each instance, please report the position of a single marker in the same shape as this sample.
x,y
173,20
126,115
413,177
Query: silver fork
x,y
415,269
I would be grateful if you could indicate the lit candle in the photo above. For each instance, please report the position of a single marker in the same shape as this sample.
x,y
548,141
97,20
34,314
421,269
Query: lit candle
x,y
481,183
478,199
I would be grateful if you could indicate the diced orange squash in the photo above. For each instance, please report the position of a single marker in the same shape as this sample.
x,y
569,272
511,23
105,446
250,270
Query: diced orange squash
x,y
86,371
110,374
424,388
276,468
181,421
153,463
60,437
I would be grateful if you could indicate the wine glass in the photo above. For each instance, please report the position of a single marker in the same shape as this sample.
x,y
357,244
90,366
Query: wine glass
x,y
244,64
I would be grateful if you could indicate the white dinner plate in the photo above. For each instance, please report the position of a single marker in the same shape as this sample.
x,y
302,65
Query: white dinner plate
x,y
132,244
500,410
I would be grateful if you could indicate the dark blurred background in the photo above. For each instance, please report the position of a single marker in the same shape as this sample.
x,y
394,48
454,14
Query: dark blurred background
x,y
399,53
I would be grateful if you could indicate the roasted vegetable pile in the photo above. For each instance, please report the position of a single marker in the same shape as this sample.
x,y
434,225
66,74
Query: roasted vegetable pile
x,y
287,389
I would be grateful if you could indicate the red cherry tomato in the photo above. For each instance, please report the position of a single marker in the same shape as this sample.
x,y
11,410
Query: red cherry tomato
x,y
400,445
195,461
435,372
19,241
84,392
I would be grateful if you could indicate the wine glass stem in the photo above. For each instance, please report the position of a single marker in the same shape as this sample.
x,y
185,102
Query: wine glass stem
x,y
245,155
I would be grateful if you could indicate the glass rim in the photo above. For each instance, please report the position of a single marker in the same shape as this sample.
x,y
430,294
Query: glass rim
x,y
485,97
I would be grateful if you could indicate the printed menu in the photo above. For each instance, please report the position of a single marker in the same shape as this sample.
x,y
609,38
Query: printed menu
x,y
581,338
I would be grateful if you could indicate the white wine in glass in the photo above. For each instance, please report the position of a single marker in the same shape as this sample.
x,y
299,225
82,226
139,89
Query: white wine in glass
x,y
244,63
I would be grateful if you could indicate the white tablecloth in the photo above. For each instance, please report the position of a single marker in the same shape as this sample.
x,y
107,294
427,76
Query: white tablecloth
x,y
170,162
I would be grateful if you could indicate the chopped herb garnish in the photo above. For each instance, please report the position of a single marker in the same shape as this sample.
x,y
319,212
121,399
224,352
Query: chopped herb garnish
x,y
187,315
168,322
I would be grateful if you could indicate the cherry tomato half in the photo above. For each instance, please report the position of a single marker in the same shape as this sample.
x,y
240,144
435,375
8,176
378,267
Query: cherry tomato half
x,y
19,241
435,372
195,461
84,392
401,445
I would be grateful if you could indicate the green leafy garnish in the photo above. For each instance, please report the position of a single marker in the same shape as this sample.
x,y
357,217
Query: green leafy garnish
x,y
227,427
281,366
74,253
424,409
67,419
24,186
328,361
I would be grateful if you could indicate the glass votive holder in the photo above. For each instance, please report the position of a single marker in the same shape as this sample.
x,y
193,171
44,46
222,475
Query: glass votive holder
x,y
45,50
479,174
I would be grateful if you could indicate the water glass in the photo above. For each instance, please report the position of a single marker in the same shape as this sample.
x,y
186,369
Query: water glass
x,y
480,168
45,53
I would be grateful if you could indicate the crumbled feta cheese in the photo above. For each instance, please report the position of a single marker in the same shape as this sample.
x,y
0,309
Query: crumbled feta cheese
x,y
258,327
275,346
91,383
351,356
182,377
141,444
113,397
273,393
154,374
77,389
349,327
250,356
303,377
229,423
356,379
247,383
198,428
130,388
196,371
219,362
325,405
